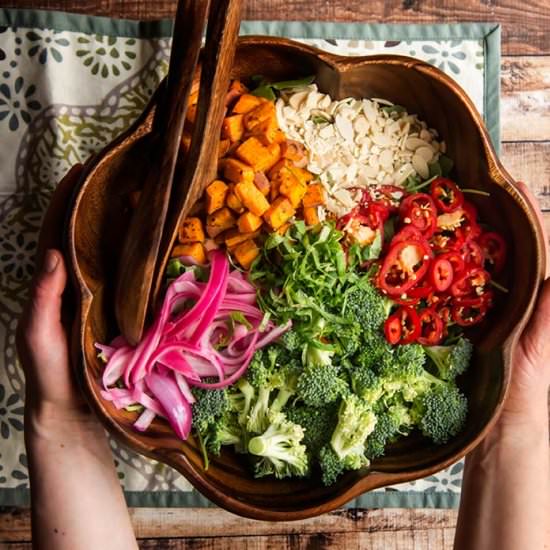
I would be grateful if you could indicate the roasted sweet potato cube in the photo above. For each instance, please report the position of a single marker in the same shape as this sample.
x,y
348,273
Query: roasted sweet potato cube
x,y
280,165
283,229
236,171
233,128
310,215
315,195
279,212
254,153
219,221
302,174
215,196
291,187
249,222
234,237
268,131
251,197
274,190
223,147
233,201
263,112
246,103
262,183
246,253
191,231
236,89
190,250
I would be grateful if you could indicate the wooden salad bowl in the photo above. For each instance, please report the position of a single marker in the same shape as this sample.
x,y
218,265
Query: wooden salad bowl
x,y
100,216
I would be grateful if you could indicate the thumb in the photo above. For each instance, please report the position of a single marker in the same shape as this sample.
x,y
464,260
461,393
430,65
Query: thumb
x,y
534,342
44,315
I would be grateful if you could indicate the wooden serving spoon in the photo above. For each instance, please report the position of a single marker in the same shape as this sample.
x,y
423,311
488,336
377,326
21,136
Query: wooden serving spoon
x,y
201,162
141,246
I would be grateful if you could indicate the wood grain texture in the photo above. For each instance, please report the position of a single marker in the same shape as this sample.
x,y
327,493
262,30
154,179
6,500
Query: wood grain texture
x,y
525,89
524,24
153,523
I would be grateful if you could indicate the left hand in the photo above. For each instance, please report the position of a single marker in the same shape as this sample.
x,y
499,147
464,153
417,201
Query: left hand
x,y
52,395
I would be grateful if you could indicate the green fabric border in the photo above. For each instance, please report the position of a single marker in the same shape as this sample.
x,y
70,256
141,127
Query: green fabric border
x,y
489,33
172,499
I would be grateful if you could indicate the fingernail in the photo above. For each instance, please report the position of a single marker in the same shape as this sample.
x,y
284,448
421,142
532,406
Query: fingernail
x,y
50,261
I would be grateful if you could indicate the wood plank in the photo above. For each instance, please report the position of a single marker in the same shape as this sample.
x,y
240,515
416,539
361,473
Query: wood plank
x,y
212,522
530,162
524,24
525,90
404,540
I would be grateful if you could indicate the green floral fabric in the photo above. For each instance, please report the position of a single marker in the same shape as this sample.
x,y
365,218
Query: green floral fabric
x,y
71,84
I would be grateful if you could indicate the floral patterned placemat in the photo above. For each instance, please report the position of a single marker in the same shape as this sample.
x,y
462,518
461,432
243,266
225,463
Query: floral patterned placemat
x,y
69,84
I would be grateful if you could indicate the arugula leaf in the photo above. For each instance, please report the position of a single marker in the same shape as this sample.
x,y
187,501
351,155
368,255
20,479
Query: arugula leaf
x,y
267,89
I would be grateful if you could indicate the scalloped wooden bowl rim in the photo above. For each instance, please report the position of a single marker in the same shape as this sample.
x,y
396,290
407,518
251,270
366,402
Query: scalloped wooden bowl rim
x,y
372,479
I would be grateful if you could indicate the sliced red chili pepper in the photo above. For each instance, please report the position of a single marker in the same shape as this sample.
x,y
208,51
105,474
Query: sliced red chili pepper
x,y
390,196
444,313
410,324
494,249
441,274
404,266
392,329
471,283
446,195
419,210
469,227
415,294
431,327
469,311
408,233
472,253
456,261
445,240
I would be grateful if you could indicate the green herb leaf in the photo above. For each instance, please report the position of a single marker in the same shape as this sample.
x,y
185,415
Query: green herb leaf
x,y
298,83
264,91
238,317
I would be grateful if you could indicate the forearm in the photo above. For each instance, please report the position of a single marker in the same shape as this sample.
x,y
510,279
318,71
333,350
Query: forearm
x,y
77,502
505,503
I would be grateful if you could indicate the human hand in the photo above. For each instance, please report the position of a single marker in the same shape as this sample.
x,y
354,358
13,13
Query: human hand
x,y
527,400
53,400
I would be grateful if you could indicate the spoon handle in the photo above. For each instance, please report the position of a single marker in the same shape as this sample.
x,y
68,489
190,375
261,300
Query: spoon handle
x,y
141,246
200,164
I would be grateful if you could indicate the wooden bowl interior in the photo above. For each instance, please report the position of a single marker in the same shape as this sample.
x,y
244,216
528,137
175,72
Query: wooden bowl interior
x,y
101,216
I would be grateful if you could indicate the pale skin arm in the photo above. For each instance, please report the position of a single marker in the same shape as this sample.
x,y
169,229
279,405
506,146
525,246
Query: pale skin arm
x,y
77,502
505,503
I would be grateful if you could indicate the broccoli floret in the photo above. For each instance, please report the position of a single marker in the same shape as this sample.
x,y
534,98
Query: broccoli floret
x,y
451,360
405,374
365,305
349,338
366,384
316,353
319,385
441,412
318,424
209,405
226,431
274,374
392,422
240,396
375,352
280,449
292,341
356,420
331,465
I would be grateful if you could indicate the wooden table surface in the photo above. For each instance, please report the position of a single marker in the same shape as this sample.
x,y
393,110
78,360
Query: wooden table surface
x,y
525,121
